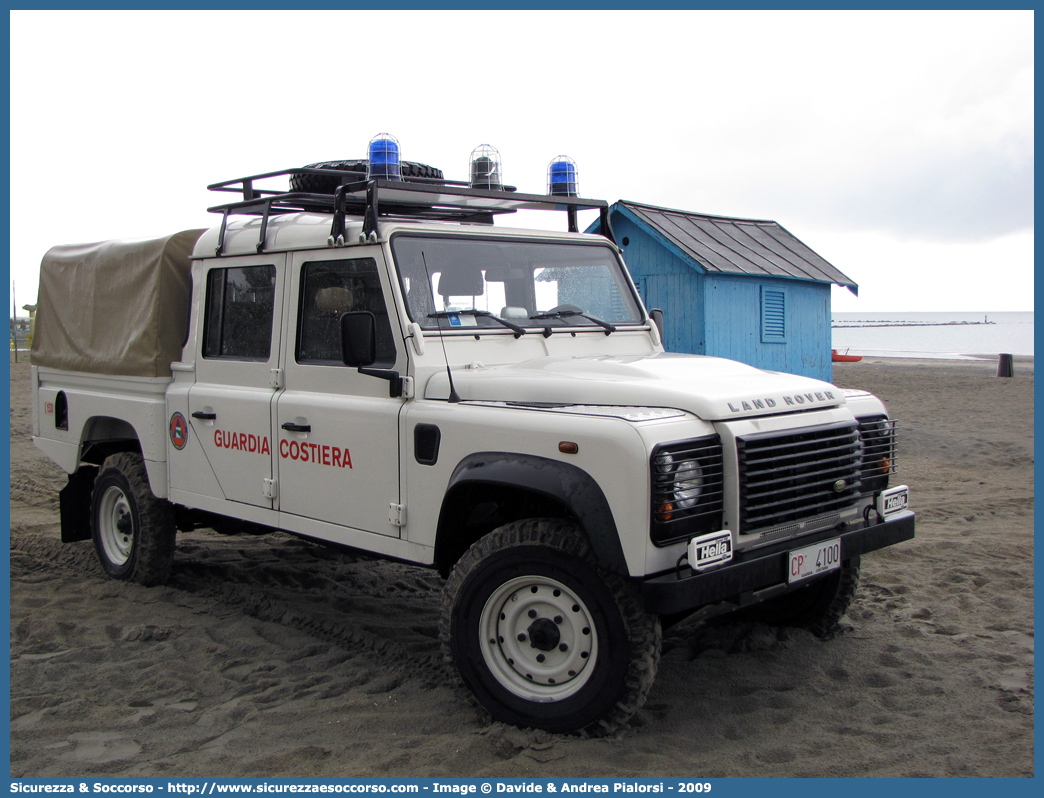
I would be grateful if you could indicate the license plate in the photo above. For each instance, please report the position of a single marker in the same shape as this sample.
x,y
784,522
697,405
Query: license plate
x,y
812,560
893,500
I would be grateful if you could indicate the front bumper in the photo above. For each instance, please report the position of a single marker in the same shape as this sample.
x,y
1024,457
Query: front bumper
x,y
762,569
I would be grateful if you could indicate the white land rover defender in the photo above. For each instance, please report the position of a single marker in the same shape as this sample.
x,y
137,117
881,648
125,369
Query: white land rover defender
x,y
366,361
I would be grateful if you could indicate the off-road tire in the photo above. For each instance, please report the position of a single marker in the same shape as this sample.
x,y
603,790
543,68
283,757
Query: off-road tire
x,y
544,569
817,607
327,184
133,531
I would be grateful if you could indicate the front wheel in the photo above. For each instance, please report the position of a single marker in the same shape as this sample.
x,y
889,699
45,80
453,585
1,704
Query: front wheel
x,y
133,531
545,638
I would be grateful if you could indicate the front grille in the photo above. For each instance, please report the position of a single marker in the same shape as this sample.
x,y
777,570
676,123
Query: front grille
x,y
687,495
797,475
878,436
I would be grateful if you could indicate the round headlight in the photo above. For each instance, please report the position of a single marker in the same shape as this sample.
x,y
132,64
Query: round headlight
x,y
688,484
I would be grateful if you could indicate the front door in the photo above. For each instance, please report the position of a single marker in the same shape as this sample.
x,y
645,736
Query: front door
x,y
337,431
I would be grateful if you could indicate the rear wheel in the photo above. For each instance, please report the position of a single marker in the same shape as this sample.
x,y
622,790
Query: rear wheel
x,y
545,638
133,531
817,607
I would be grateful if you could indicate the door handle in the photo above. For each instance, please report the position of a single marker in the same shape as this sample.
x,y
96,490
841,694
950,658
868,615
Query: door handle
x,y
204,416
292,427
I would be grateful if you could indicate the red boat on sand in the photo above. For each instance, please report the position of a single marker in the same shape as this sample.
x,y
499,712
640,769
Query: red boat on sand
x,y
838,357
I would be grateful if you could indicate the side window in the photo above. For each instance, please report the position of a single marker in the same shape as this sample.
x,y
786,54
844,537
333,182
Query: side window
x,y
238,322
329,289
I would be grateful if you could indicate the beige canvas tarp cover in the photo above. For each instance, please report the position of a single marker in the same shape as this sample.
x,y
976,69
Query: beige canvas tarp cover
x,y
116,307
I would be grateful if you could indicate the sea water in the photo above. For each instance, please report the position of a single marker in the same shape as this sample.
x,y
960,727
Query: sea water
x,y
934,335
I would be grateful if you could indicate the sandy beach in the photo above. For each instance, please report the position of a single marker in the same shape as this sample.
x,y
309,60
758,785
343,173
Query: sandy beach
x,y
268,656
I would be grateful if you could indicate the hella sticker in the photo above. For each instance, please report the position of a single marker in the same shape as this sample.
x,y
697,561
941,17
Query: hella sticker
x,y
710,549
893,500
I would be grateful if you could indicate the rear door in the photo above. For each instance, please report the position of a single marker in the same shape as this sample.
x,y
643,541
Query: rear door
x,y
337,431
238,377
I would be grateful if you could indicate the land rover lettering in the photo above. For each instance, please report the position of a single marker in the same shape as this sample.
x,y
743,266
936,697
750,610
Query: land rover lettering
x,y
767,402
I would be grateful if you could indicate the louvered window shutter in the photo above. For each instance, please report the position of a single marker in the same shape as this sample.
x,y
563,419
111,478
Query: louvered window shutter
x,y
773,316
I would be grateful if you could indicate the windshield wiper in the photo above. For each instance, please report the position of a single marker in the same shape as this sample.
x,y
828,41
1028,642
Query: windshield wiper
x,y
564,314
445,314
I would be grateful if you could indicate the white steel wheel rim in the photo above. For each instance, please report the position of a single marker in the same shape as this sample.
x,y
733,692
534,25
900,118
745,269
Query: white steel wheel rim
x,y
116,526
538,639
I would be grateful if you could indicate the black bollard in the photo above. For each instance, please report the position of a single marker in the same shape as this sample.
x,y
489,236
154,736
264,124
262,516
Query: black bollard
x,y
1005,367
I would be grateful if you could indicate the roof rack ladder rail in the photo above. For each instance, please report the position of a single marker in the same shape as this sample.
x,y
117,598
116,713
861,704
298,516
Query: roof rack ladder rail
x,y
264,227
337,225
372,212
221,233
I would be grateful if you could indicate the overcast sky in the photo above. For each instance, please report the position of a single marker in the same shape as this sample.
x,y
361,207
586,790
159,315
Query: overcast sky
x,y
897,145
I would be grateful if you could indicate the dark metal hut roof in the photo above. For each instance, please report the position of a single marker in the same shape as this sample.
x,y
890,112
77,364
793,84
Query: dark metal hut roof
x,y
736,246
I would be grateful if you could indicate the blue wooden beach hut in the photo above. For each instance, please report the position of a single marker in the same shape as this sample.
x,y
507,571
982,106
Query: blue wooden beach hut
x,y
744,289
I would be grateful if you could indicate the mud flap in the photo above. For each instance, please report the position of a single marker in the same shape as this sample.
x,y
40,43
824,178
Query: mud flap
x,y
74,503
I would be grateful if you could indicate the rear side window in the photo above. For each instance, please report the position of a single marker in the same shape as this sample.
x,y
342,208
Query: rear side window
x,y
238,323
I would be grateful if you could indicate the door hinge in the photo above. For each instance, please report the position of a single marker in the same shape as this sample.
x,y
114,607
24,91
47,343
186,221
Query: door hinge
x,y
275,378
269,488
397,514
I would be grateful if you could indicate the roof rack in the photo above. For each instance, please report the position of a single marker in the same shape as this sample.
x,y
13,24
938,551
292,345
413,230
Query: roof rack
x,y
420,198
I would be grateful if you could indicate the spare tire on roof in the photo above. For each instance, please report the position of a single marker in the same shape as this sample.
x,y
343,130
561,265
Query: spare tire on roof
x,y
327,184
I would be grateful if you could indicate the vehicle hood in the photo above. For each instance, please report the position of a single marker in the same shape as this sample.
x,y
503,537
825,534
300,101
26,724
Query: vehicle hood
x,y
710,387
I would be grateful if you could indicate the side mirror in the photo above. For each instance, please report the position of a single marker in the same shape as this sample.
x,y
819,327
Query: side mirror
x,y
358,338
657,318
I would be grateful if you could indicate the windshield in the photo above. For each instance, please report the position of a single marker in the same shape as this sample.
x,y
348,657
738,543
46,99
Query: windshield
x,y
471,282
